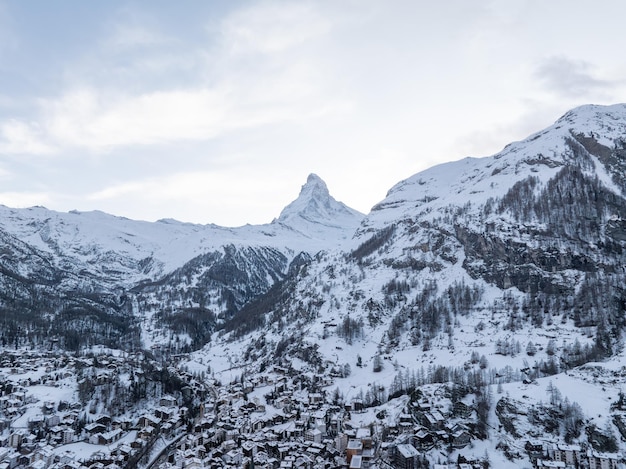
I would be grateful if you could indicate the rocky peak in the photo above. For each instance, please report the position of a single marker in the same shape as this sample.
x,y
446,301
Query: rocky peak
x,y
316,205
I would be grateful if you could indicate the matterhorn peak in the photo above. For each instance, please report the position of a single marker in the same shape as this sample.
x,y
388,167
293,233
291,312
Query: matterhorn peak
x,y
316,206
315,187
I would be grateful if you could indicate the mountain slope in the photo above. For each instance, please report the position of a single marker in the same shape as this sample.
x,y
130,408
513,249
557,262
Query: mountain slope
x,y
488,255
198,273
123,251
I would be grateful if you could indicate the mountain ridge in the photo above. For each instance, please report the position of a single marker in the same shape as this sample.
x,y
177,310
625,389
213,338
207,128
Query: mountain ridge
x,y
475,281
522,236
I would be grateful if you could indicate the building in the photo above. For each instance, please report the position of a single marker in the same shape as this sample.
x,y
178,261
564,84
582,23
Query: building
x,y
406,457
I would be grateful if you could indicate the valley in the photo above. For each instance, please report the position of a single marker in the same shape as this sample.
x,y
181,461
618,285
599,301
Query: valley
x,y
474,318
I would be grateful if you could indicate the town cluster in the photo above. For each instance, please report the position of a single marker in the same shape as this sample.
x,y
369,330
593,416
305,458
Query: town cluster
x,y
278,419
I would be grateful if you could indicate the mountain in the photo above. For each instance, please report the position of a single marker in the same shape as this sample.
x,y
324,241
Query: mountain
x,y
483,299
512,262
315,212
123,251
114,264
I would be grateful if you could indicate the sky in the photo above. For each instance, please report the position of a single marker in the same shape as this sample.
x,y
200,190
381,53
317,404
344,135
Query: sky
x,y
217,111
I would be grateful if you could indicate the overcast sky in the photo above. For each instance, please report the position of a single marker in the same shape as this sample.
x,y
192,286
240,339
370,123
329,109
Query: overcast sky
x,y
216,111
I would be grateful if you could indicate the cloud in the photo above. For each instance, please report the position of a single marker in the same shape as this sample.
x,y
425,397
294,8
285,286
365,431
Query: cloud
x,y
96,120
133,36
569,78
195,195
271,28
18,137
181,186
24,199
276,86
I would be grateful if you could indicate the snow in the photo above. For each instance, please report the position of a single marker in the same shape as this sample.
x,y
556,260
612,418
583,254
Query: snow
x,y
477,179
335,288
94,240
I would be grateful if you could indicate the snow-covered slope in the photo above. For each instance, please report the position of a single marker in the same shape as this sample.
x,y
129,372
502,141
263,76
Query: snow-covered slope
x,y
600,130
493,256
502,274
92,271
472,279
126,251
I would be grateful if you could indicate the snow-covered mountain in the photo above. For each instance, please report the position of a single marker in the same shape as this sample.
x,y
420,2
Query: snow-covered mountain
x,y
127,251
517,257
204,266
504,272
315,212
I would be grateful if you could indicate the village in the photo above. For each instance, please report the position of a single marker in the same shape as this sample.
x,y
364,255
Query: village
x,y
106,411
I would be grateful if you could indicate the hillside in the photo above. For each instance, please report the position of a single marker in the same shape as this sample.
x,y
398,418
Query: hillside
x,y
510,266
479,308
102,276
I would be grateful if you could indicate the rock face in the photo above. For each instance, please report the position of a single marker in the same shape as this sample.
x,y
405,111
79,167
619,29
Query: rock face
x,y
315,210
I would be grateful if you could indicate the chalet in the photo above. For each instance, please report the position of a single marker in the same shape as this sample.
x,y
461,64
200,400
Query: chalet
x,y
164,413
432,420
535,449
462,410
146,433
406,457
168,401
423,406
123,452
56,433
460,438
94,428
316,398
441,436
148,420
423,439
110,437
120,423
104,420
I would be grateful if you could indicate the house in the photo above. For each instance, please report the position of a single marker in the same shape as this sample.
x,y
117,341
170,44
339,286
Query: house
x,y
167,401
460,409
356,462
94,428
406,457
110,437
354,448
461,438
148,420
535,449
313,435
423,439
